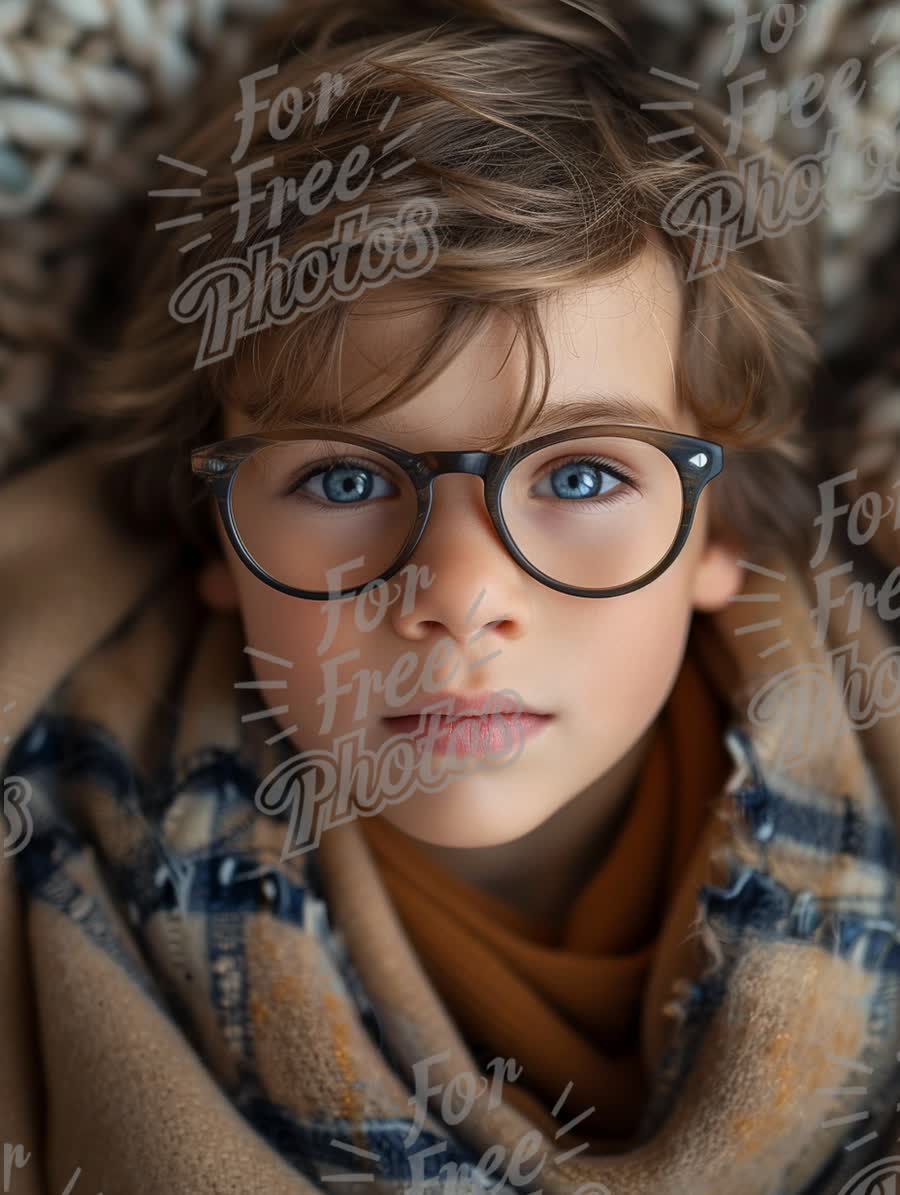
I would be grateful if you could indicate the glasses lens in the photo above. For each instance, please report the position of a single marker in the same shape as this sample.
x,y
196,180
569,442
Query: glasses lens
x,y
304,508
594,512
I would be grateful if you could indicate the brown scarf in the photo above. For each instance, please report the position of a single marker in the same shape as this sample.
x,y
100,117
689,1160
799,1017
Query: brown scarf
x,y
565,1002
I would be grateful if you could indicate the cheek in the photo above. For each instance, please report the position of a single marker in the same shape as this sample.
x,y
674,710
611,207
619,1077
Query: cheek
x,y
303,636
279,624
627,651
289,631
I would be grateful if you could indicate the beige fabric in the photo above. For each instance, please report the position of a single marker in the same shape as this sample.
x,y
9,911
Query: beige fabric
x,y
106,1077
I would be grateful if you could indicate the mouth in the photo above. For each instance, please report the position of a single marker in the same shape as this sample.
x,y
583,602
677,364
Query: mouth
x,y
408,724
489,733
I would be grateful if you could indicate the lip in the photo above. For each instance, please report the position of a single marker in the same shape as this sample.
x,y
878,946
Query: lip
x,y
468,705
476,735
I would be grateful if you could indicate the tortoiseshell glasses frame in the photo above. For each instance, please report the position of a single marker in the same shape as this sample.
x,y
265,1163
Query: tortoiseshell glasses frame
x,y
697,461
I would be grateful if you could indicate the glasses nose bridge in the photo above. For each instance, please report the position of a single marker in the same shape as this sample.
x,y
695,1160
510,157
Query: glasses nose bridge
x,y
474,463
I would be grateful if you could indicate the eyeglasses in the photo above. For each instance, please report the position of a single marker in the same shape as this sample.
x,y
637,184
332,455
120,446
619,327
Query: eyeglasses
x,y
593,511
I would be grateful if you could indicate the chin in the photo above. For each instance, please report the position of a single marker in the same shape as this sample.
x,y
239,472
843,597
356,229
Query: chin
x,y
470,820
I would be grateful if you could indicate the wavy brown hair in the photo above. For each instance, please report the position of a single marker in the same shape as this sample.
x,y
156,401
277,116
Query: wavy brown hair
x,y
551,154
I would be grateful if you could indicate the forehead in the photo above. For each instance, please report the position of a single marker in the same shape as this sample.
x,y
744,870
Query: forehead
x,y
618,335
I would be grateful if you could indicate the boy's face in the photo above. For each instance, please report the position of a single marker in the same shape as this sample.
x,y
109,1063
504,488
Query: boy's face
x,y
603,668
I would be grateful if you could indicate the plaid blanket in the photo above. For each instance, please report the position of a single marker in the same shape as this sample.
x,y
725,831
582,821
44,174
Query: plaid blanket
x,y
188,1006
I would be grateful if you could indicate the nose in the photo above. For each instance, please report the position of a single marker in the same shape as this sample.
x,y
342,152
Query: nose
x,y
477,589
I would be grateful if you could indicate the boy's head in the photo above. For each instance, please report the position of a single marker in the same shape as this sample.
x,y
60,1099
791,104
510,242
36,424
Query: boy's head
x,y
524,126
601,667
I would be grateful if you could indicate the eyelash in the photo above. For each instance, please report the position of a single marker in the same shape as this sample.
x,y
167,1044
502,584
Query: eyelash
x,y
618,471
341,463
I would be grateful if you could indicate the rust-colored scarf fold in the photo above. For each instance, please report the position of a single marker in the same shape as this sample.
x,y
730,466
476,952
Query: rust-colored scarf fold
x,y
565,1003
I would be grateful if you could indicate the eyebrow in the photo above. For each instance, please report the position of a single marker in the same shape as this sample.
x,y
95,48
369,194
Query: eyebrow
x,y
612,407
621,406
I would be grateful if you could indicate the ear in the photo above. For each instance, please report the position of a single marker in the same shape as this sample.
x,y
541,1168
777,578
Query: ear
x,y
216,586
718,576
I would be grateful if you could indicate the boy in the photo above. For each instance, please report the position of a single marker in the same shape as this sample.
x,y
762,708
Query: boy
x,y
669,937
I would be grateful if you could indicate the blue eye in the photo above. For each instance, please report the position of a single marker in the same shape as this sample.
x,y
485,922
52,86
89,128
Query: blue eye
x,y
346,483
581,479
